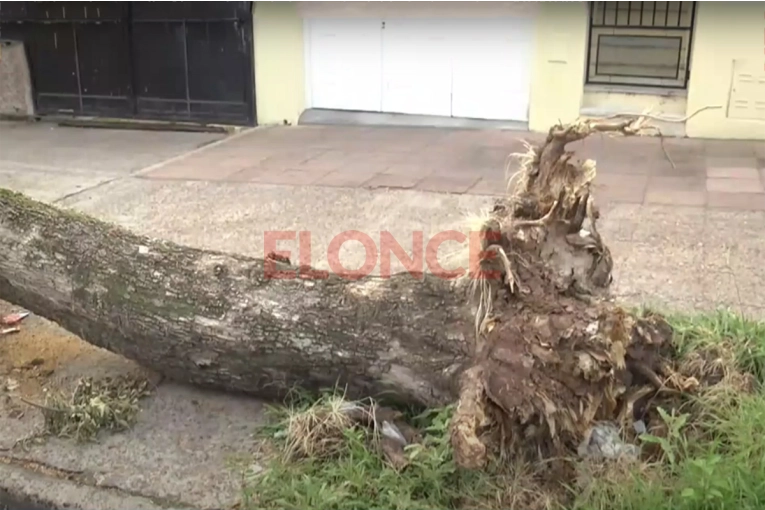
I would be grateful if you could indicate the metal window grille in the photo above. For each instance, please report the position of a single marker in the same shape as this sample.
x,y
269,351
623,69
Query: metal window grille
x,y
640,43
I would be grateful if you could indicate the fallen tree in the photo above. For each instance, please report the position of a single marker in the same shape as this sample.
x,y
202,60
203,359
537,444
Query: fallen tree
x,y
220,320
539,353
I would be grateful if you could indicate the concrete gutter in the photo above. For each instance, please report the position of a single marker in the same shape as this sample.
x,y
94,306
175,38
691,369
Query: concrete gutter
x,y
24,489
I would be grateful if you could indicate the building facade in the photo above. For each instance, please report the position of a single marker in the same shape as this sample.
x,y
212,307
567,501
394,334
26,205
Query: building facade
x,y
523,64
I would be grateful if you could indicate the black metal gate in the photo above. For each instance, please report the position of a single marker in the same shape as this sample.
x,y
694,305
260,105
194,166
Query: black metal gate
x,y
149,60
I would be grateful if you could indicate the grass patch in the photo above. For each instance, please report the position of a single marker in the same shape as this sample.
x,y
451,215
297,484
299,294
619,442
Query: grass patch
x,y
343,470
710,456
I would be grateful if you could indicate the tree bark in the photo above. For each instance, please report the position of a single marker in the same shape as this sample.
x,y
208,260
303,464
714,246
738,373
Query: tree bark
x,y
218,320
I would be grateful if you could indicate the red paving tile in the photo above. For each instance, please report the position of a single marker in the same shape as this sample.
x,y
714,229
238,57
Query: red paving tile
x,y
329,160
412,169
663,182
728,172
489,187
686,169
621,188
689,191
738,201
735,185
288,177
343,179
731,162
443,184
289,159
393,181
676,197
716,173
730,148
196,170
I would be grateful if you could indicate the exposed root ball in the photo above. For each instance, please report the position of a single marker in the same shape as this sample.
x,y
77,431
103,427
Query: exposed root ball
x,y
553,355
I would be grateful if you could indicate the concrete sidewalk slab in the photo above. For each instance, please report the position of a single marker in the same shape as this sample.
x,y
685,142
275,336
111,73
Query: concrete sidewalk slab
x,y
234,217
50,148
57,184
649,241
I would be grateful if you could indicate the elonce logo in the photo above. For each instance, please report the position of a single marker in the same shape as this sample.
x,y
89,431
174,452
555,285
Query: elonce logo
x,y
388,246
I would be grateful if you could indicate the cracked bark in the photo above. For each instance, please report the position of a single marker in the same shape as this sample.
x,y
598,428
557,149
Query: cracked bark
x,y
217,320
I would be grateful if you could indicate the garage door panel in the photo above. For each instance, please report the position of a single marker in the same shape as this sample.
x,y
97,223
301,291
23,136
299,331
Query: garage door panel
x,y
471,68
417,67
345,64
491,70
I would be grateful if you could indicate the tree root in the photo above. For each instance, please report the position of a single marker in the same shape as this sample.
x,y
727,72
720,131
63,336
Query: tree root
x,y
553,355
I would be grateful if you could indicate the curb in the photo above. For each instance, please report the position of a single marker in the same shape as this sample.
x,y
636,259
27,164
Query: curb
x,y
22,489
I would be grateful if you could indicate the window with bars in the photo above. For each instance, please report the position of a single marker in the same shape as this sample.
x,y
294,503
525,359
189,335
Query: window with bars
x,y
640,43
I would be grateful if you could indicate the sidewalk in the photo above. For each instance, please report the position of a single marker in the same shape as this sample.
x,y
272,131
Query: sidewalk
x,y
712,173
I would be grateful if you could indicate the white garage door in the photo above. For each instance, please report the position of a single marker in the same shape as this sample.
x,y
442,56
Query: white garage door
x,y
491,71
343,64
416,68
475,68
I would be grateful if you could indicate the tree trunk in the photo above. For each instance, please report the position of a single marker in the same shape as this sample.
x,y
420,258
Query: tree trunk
x,y
219,320
541,358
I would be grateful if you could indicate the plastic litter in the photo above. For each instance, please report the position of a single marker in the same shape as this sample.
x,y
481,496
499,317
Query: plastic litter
x,y
11,322
603,441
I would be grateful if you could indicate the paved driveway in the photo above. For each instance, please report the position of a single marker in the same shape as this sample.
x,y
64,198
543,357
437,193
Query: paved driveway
x,y
634,170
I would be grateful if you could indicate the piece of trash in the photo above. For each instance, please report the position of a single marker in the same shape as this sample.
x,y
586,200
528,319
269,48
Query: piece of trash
x,y
603,441
8,331
13,318
391,431
639,427
11,384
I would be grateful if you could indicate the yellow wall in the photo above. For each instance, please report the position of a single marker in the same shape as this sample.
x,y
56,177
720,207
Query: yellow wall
x,y
724,32
559,61
279,67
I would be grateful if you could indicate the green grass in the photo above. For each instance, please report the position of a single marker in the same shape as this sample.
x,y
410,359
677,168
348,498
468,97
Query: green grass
x,y
715,460
745,337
